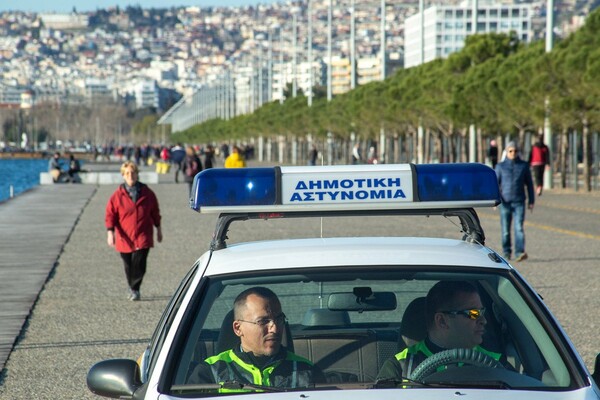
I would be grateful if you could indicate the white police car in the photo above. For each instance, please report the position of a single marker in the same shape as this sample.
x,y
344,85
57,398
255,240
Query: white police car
x,y
353,303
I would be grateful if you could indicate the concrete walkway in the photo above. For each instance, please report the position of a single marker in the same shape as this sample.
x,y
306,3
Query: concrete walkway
x,y
34,227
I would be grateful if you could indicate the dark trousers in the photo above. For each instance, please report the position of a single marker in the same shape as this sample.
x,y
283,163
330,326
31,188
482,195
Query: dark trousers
x,y
538,174
135,267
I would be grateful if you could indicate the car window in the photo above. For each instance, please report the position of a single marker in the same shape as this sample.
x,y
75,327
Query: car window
x,y
158,337
350,343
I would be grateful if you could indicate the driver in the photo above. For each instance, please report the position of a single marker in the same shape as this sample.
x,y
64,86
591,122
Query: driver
x,y
455,319
259,358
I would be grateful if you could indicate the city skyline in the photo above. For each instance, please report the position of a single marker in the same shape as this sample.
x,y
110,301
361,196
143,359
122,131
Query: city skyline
x,y
66,6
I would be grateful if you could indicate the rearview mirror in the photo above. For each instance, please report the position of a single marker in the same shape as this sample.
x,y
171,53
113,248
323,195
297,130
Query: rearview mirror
x,y
362,299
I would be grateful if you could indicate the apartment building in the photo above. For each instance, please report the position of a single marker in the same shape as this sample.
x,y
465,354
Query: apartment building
x,y
446,28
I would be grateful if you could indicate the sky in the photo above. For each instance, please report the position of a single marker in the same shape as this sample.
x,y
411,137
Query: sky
x,y
92,5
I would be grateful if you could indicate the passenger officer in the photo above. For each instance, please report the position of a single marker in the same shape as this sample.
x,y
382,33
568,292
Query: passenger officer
x,y
260,358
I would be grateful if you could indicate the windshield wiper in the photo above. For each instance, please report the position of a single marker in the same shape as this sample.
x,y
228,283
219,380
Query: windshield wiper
x,y
228,385
394,383
473,384
236,385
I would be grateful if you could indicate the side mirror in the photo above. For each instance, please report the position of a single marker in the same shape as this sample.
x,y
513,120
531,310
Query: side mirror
x,y
596,373
114,378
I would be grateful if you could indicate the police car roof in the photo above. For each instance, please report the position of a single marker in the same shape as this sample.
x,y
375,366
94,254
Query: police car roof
x,y
363,251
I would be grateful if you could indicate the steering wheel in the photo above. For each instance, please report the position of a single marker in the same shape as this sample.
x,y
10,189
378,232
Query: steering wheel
x,y
453,356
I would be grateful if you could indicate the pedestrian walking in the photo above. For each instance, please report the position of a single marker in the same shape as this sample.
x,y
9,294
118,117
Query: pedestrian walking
x,y
492,153
191,166
539,160
235,159
132,213
514,177
313,154
209,157
177,155
356,154
224,151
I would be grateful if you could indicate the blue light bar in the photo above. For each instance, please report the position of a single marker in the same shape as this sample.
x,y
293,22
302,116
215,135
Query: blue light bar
x,y
346,187
456,182
217,187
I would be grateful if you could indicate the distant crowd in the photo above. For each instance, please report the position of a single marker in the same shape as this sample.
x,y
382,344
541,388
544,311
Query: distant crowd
x,y
187,160
148,154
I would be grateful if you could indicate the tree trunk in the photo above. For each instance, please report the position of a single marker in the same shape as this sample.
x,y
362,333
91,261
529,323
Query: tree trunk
x,y
480,147
450,151
521,141
462,157
413,147
586,155
396,147
564,147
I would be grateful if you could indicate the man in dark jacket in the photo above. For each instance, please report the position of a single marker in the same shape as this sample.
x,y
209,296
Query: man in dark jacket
x,y
513,177
260,358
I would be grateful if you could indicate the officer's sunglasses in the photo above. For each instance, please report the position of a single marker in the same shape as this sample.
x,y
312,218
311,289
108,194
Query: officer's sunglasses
x,y
262,322
472,313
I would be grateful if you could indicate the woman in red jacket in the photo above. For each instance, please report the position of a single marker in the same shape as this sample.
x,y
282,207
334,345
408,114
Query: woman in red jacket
x,y
132,213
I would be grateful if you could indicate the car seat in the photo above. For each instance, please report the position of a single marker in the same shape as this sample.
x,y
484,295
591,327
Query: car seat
x,y
414,324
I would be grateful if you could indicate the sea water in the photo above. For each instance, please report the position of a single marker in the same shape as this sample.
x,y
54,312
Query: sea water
x,y
19,175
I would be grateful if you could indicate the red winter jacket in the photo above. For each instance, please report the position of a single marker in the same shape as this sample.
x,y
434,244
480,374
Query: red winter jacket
x,y
133,223
539,154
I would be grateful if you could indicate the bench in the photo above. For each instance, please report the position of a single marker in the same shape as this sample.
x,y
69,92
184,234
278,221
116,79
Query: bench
x,y
100,178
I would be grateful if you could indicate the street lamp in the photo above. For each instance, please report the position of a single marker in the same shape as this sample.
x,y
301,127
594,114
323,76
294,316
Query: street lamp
x,y
352,46
382,40
422,29
295,11
282,74
310,72
270,64
548,178
329,11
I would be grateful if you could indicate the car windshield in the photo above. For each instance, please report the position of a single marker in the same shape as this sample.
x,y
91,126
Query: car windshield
x,y
348,322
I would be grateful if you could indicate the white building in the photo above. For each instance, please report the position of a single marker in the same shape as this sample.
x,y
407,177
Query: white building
x,y
446,27
368,69
145,92
283,75
64,21
96,90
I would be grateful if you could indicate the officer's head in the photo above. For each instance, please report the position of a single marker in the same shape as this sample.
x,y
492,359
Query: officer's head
x,y
258,321
455,315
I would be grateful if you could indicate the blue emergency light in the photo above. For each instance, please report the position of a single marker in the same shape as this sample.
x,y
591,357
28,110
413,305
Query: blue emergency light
x,y
345,187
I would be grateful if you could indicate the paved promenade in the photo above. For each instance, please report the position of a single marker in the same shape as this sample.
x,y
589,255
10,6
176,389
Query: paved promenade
x,y
34,228
53,244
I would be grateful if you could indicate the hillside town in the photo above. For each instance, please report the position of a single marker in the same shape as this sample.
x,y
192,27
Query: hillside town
x,y
152,58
